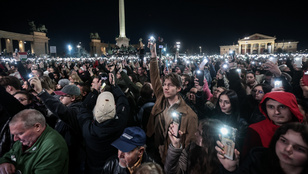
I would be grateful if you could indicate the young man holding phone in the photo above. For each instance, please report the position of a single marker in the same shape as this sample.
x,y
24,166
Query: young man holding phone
x,y
167,102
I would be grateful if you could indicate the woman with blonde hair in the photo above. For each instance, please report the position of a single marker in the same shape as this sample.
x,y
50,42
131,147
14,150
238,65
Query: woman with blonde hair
x,y
74,78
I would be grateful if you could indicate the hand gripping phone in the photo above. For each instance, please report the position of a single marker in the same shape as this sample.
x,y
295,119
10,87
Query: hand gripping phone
x,y
176,117
228,136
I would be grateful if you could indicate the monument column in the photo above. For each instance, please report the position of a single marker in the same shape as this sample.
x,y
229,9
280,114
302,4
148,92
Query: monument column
x,y
21,45
246,48
9,45
251,47
239,48
122,39
265,45
122,18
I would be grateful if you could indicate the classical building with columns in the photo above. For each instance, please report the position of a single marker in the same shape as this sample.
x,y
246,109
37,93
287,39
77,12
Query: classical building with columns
x,y
259,44
37,43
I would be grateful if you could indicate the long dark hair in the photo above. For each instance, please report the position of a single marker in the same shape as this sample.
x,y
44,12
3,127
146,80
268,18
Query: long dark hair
x,y
274,165
235,109
204,159
146,92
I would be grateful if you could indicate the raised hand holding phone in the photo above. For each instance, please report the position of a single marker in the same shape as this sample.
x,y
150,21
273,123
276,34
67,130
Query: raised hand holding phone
x,y
175,141
35,83
228,164
152,46
228,137
200,77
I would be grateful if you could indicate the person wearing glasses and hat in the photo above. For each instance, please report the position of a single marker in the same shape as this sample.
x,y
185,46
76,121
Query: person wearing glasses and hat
x,y
131,152
65,109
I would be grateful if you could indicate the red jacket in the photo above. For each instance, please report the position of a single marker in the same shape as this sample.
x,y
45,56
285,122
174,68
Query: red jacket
x,y
261,133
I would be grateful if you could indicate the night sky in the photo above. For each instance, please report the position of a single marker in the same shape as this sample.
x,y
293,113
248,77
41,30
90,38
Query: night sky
x,y
192,22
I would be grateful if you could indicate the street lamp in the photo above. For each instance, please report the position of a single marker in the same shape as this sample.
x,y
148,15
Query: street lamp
x,y
178,45
69,49
78,47
200,50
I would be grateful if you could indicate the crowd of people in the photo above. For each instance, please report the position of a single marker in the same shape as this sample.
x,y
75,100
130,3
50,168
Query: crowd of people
x,y
154,116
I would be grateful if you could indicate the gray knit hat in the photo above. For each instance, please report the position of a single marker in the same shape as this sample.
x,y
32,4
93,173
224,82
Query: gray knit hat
x,y
68,90
63,82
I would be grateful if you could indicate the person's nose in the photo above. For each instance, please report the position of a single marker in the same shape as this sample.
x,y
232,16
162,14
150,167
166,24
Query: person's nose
x,y
277,112
121,154
289,149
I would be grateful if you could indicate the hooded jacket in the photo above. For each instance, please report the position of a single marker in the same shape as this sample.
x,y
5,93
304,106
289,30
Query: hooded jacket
x,y
261,133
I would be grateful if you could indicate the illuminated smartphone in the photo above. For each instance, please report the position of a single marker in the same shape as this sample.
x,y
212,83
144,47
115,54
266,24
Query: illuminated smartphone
x,y
176,117
298,62
152,41
272,59
277,84
103,86
228,136
200,77
239,71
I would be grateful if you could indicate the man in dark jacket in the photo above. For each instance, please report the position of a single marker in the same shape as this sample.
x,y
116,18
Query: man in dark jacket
x,y
67,125
131,152
110,118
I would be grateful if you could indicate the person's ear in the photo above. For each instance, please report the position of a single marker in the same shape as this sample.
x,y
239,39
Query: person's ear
x,y
140,151
178,89
37,127
73,98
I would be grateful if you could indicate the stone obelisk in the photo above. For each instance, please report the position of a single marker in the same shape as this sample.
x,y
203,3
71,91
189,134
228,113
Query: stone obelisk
x,y
122,39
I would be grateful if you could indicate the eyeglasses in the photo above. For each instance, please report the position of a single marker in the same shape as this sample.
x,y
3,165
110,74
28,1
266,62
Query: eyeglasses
x,y
257,91
65,96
